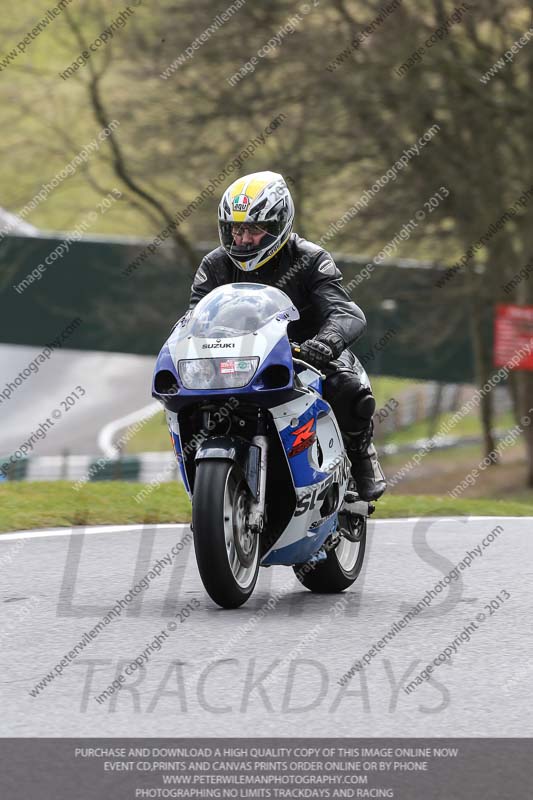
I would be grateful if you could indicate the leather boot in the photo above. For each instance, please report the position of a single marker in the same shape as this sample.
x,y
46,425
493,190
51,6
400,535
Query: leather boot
x,y
366,471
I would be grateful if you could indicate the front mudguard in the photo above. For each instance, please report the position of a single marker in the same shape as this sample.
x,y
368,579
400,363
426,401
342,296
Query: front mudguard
x,y
234,448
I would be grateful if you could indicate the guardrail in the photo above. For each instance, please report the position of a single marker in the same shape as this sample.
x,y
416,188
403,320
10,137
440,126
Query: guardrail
x,y
140,468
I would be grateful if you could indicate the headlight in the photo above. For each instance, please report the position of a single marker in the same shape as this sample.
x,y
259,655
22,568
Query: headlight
x,y
217,373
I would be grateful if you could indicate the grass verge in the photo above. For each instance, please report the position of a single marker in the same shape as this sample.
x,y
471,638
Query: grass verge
x,y
27,505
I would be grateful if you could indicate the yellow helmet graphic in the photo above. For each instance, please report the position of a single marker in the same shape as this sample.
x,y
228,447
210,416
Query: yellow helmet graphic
x,y
255,218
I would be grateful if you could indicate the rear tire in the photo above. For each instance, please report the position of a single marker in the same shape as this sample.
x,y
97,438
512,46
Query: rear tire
x,y
227,554
342,565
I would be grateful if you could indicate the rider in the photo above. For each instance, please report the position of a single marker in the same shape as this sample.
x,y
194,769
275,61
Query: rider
x,y
255,218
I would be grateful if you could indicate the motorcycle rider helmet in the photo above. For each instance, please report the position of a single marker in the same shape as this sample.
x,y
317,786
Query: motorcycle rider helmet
x,y
255,218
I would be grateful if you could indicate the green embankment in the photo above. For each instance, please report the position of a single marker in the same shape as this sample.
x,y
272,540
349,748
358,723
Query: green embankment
x,y
51,504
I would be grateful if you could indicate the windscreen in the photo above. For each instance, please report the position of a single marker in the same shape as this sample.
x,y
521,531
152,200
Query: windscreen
x,y
236,309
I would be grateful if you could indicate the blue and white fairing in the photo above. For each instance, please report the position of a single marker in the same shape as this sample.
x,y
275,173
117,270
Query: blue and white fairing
x,y
238,331
315,470
226,346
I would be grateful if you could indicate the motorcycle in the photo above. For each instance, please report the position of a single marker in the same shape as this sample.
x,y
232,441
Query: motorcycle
x,y
259,450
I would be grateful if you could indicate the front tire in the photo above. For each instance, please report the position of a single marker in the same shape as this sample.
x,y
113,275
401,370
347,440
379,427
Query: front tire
x,y
343,562
227,553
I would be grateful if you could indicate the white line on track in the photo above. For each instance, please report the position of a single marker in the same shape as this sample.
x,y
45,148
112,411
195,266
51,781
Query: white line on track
x,y
50,532
107,434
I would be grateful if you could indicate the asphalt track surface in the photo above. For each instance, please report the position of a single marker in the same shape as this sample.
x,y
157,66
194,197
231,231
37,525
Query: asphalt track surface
x,y
278,676
115,385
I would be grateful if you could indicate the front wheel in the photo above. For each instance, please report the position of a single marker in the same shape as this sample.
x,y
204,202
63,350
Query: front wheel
x,y
343,562
227,552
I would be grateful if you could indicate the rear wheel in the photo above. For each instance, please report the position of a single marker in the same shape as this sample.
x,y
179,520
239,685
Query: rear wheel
x,y
344,560
227,552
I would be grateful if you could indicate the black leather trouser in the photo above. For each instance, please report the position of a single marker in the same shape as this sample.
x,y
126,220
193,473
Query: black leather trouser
x,y
348,391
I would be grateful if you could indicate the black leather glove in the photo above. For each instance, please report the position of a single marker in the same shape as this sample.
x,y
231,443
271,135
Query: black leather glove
x,y
334,341
316,353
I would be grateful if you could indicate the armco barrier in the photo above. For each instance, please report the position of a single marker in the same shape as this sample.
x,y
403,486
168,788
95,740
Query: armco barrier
x,y
141,468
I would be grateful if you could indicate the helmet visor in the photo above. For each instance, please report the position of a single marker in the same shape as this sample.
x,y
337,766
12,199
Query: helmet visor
x,y
246,240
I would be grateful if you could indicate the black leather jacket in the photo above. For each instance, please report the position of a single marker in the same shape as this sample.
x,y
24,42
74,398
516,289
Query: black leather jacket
x,y
307,274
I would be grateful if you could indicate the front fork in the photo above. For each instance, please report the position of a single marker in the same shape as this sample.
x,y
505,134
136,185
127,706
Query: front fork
x,y
256,515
